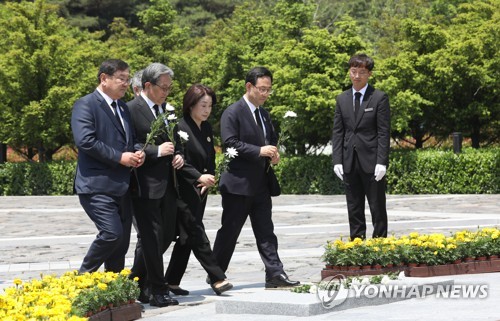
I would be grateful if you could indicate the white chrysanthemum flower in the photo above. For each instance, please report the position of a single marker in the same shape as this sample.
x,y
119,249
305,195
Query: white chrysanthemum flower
x,y
365,281
171,117
385,280
231,152
169,107
183,135
313,289
401,275
290,114
356,281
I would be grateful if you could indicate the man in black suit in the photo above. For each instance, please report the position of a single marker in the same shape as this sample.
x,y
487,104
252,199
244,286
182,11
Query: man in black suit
x,y
155,207
244,187
360,143
103,133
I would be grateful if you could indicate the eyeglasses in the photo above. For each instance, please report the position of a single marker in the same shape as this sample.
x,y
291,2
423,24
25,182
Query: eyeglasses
x,y
123,80
361,73
264,90
165,89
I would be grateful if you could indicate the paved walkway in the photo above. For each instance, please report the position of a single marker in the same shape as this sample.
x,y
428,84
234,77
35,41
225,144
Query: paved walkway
x,y
52,234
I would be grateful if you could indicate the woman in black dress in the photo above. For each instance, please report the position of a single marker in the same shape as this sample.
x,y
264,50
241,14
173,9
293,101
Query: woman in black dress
x,y
195,178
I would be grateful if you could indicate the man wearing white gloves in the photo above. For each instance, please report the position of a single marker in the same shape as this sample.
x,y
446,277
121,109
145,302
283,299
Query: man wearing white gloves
x,y
360,145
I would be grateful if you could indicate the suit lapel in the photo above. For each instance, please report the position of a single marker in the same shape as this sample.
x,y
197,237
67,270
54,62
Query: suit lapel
x,y
193,130
111,115
366,100
251,120
267,124
126,120
348,103
145,110
147,113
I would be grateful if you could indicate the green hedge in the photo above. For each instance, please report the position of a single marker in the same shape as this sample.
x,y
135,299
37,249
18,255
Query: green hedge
x,y
31,178
410,172
474,171
308,175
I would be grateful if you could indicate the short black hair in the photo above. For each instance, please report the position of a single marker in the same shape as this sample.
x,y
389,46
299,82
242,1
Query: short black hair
x,y
256,73
110,66
361,60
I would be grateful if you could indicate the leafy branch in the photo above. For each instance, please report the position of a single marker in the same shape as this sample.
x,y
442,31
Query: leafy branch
x,y
158,127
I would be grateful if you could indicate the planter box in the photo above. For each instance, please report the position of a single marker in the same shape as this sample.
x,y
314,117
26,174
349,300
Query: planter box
x,y
332,272
101,316
425,271
127,312
452,269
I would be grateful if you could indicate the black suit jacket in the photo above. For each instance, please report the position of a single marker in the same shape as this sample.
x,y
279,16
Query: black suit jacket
x,y
199,154
246,173
156,172
369,134
101,140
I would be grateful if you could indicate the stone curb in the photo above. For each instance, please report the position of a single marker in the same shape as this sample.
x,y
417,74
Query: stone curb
x,y
306,304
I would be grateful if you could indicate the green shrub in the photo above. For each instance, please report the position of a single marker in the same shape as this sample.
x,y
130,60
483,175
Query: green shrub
x,y
474,171
410,172
32,178
308,175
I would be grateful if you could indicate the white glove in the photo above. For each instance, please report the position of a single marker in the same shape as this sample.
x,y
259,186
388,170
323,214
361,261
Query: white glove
x,y
339,171
379,172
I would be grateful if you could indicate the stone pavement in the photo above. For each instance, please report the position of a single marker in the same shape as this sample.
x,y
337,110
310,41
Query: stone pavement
x,y
51,234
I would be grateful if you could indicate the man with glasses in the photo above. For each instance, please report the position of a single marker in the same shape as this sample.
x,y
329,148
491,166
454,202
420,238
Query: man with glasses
x,y
104,136
246,126
360,148
155,206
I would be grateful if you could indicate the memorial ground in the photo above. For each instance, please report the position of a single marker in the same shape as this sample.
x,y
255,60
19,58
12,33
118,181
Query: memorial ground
x,y
50,234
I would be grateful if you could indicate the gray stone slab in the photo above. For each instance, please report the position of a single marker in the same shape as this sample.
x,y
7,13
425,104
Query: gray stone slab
x,y
63,265
285,302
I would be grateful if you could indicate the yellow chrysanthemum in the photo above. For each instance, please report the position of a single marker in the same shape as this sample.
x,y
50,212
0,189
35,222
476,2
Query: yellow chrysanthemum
x,y
414,235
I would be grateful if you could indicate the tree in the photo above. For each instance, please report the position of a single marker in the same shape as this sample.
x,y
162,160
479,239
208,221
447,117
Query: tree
x,y
309,64
443,78
97,15
467,69
44,67
198,15
407,79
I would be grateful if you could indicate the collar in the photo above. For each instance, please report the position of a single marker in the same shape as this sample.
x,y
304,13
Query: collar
x,y
362,91
148,101
108,99
252,106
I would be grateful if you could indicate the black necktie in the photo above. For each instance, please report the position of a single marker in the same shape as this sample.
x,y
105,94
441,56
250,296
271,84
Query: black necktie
x,y
157,110
113,104
257,118
357,103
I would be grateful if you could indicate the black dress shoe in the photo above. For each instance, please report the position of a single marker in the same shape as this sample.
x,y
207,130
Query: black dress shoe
x,y
280,281
226,286
178,291
162,300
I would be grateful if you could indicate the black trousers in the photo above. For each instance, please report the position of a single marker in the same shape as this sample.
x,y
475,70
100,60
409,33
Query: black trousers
x,y
236,209
155,220
359,184
192,238
113,219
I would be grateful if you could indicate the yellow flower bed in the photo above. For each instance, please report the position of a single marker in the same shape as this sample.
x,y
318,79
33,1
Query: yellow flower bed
x,y
70,297
431,249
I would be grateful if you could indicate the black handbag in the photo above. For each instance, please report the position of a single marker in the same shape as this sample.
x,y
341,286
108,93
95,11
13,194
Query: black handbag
x,y
272,180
